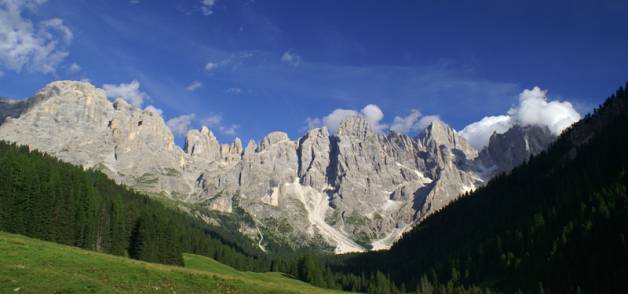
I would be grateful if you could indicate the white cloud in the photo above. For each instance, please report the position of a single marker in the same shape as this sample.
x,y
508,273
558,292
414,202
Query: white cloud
x,y
210,66
233,62
207,7
129,92
413,122
479,133
371,113
230,130
425,121
533,109
334,119
56,24
37,47
214,121
406,124
234,91
193,86
181,124
312,123
74,68
291,58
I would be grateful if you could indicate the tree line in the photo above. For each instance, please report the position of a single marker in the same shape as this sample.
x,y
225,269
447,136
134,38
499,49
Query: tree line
x,y
44,198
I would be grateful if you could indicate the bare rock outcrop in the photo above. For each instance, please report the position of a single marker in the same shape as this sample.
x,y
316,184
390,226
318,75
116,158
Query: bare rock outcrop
x,y
355,190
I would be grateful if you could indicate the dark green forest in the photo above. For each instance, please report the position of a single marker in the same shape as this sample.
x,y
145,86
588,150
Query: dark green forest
x,y
556,224
45,198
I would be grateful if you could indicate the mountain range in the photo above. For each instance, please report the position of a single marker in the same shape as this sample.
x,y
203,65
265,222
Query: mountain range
x,y
349,191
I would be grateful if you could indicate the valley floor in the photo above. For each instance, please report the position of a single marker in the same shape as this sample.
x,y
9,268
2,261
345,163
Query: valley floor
x,y
33,266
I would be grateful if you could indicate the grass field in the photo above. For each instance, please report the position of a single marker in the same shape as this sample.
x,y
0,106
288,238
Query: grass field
x,y
33,266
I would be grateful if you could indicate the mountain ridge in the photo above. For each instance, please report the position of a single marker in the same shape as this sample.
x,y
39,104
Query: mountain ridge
x,y
354,190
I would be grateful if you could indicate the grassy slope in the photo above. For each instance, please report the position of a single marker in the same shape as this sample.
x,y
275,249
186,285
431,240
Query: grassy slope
x,y
33,266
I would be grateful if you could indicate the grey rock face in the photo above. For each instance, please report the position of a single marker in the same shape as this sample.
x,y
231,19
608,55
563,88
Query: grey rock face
x,y
355,190
75,122
314,153
507,150
202,144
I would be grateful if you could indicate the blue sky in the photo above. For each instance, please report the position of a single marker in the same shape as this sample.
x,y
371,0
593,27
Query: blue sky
x,y
251,67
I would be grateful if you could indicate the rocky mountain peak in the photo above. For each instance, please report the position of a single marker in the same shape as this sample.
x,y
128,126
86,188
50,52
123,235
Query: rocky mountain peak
x,y
515,146
202,143
76,89
251,147
346,190
355,126
439,134
121,105
233,151
273,138
314,158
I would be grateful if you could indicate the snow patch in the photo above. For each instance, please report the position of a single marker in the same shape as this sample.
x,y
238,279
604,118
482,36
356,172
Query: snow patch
x,y
422,178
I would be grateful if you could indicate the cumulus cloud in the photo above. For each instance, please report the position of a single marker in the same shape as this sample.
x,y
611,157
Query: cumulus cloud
x,y
207,7
331,121
533,109
193,86
371,113
413,122
56,24
291,58
479,133
181,124
129,92
215,122
37,47
425,121
406,124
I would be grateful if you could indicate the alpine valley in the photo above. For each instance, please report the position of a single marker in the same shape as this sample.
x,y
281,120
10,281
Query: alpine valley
x,y
350,191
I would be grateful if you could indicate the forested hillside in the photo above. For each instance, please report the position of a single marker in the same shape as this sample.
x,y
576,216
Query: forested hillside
x,y
45,198
556,224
